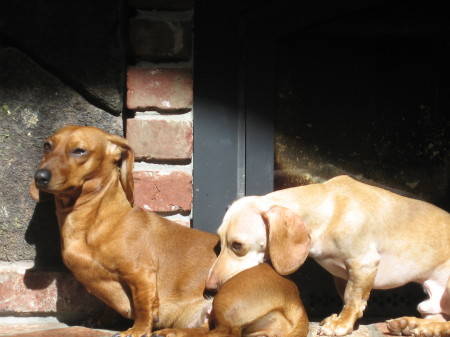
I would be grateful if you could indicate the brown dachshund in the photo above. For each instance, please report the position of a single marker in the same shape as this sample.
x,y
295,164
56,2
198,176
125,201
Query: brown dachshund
x,y
146,267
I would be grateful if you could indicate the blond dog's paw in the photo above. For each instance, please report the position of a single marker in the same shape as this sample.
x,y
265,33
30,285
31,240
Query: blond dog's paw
x,y
328,319
335,326
418,327
402,326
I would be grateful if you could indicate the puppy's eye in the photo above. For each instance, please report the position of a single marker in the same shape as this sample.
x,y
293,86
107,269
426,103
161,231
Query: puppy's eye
x,y
78,152
47,147
236,245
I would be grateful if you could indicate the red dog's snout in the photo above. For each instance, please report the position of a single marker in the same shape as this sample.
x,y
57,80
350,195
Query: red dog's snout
x,y
42,177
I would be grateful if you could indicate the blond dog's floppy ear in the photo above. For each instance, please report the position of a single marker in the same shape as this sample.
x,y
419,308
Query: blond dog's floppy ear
x,y
125,157
288,240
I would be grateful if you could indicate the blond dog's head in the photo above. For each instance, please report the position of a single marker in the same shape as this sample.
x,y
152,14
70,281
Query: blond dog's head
x,y
254,230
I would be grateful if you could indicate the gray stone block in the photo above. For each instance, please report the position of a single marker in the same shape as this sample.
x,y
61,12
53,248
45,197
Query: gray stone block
x,y
33,104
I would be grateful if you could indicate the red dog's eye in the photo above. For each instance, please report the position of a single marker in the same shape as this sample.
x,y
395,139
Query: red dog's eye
x,y
79,152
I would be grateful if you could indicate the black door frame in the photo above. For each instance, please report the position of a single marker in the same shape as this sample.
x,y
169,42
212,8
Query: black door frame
x,y
234,75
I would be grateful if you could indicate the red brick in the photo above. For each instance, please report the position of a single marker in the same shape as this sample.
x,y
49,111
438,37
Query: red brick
x,y
159,89
162,191
160,40
25,291
157,139
179,5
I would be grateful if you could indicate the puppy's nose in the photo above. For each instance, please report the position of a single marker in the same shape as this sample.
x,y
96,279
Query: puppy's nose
x,y
42,177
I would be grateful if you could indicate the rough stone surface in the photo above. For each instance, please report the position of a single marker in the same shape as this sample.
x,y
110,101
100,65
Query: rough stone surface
x,y
363,330
33,104
25,291
78,40
159,89
160,140
14,325
160,41
162,191
75,331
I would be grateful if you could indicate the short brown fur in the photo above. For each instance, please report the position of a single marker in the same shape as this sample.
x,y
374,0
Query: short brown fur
x,y
145,267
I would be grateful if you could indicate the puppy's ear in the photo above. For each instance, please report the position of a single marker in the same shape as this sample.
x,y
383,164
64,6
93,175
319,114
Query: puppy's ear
x,y
125,158
288,241
37,195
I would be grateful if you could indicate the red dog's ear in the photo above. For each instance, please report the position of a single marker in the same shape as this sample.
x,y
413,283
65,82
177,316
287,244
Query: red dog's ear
x,y
288,241
125,157
38,195
34,192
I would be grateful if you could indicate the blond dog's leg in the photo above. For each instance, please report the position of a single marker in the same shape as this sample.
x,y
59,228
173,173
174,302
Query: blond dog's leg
x,y
357,291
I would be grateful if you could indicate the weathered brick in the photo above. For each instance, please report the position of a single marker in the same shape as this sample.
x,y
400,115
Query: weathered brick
x,y
160,140
159,89
179,5
162,191
26,291
160,41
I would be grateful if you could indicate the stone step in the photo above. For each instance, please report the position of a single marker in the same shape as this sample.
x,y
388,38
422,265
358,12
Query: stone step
x,y
26,291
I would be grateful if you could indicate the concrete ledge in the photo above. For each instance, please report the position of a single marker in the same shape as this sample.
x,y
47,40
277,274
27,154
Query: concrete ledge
x,y
26,330
25,291
75,331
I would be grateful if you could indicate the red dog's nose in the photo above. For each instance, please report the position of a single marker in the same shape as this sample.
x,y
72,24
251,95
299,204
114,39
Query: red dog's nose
x,y
42,177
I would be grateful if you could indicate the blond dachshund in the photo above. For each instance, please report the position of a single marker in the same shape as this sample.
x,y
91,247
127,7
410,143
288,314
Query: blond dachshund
x,y
365,236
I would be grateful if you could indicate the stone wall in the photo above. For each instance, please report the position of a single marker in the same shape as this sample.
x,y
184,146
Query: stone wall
x,y
54,72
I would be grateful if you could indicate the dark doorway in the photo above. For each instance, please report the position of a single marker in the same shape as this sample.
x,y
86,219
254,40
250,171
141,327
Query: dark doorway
x,y
289,94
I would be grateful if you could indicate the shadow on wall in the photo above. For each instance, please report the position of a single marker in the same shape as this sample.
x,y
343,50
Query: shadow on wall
x,y
43,233
49,277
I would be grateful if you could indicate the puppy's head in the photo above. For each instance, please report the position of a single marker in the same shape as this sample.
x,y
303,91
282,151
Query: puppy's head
x,y
254,230
75,155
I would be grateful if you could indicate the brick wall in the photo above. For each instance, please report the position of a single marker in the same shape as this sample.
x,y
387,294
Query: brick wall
x,y
159,95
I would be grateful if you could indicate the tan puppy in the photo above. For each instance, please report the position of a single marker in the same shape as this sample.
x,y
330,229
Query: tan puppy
x,y
257,302
365,236
144,266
